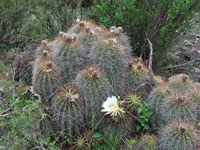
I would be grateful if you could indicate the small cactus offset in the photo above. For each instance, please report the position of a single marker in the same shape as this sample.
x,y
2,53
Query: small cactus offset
x,y
47,78
95,89
68,111
178,135
132,102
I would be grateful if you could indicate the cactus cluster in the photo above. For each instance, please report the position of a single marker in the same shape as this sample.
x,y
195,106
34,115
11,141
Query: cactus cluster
x,y
175,106
77,71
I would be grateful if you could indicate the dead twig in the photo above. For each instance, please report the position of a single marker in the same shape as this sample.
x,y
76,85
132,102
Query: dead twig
x,y
181,65
151,60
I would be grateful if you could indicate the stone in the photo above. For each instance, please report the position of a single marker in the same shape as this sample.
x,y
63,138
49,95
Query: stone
x,y
192,54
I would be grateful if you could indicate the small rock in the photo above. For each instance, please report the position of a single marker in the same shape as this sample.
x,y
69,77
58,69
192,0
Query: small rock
x,y
196,70
197,41
192,55
196,78
188,43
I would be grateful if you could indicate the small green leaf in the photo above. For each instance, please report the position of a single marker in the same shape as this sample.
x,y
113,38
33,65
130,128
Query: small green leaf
x,y
68,141
97,135
139,110
138,128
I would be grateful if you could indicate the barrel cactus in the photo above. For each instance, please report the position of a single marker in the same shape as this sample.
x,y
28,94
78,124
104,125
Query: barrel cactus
x,y
95,89
47,78
181,83
68,111
179,106
139,79
178,135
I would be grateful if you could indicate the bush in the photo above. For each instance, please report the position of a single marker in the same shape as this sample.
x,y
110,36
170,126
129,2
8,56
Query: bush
x,y
11,17
20,129
47,18
157,20
22,21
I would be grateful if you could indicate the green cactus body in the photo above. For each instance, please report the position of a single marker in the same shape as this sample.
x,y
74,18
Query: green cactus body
x,y
178,106
58,43
69,57
178,135
107,56
68,108
139,80
46,79
195,95
181,83
156,99
120,129
95,90
42,57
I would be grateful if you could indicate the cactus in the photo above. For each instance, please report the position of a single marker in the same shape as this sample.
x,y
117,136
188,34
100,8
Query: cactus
x,y
46,79
95,89
120,128
68,110
43,46
70,56
156,99
178,135
178,106
139,80
108,55
81,143
131,101
181,83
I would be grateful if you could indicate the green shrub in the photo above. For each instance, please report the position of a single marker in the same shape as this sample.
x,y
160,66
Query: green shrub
x,y
47,18
11,17
20,128
157,20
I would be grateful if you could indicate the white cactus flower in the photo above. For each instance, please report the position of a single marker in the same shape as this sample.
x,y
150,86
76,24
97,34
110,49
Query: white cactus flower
x,y
111,106
78,20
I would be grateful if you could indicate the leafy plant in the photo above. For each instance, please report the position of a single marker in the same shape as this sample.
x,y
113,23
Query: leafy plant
x,y
144,115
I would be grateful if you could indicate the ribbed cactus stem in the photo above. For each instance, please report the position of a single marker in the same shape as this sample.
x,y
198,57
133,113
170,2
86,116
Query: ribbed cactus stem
x,y
178,135
94,88
68,108
46,79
